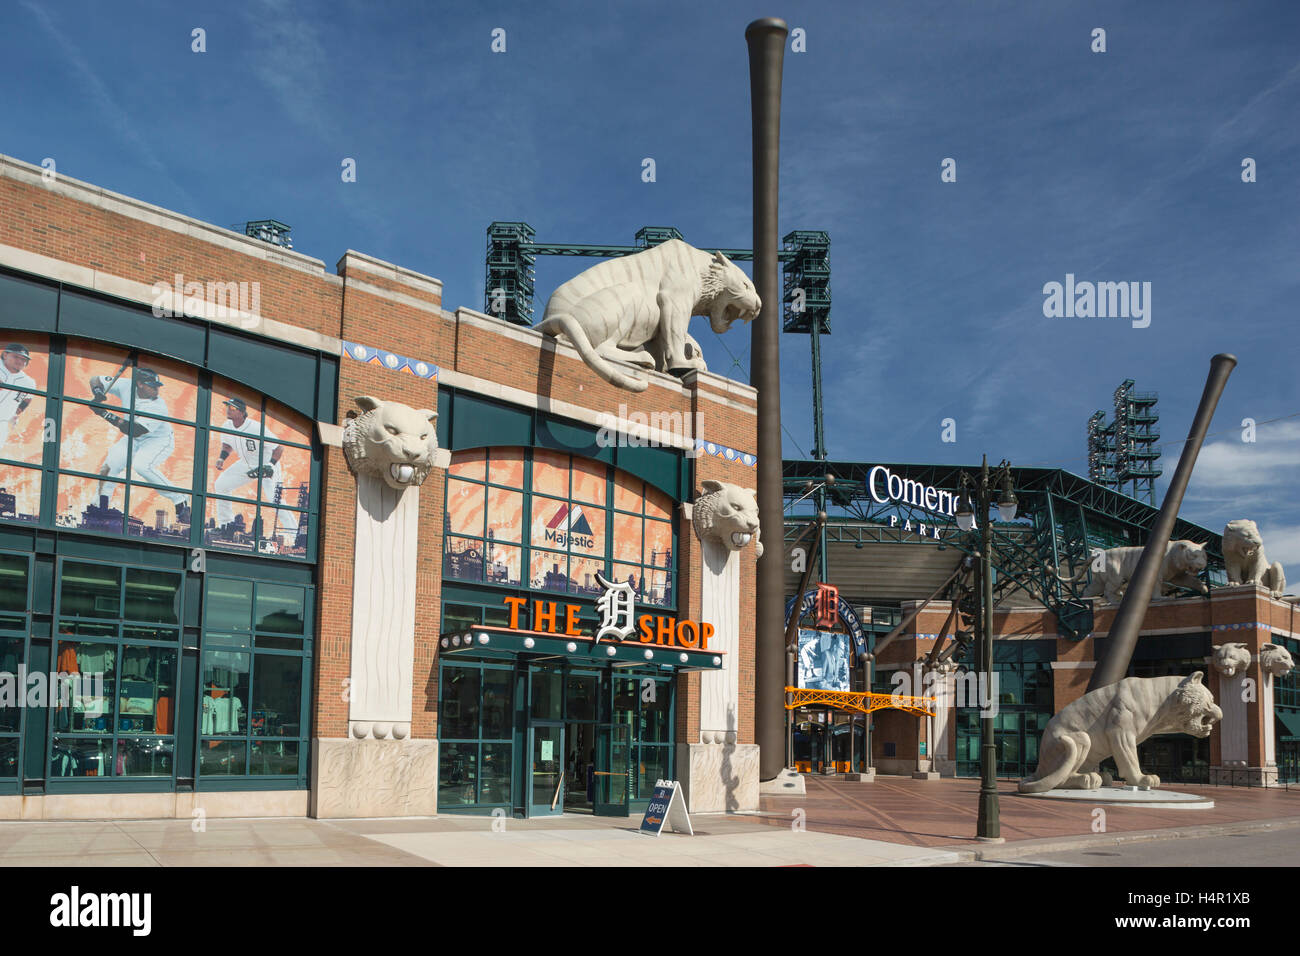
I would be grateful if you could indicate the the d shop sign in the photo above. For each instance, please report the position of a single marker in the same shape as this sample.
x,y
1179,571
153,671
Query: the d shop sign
x,y
651,628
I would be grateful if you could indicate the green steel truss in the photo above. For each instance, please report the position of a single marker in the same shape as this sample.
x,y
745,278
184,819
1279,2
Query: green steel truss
x,y
1060,518
1125,450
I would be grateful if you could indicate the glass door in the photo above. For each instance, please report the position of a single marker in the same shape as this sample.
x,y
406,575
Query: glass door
x,y
545,768
613,770
546,758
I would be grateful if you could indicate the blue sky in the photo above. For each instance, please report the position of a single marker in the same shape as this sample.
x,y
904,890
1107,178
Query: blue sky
x,y
1115,166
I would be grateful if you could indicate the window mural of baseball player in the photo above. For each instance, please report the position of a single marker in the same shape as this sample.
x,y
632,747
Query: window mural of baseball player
x,y
823,660
150,440
243,460
13,371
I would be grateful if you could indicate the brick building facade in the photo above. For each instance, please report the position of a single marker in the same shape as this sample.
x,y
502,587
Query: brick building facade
x,y
258,331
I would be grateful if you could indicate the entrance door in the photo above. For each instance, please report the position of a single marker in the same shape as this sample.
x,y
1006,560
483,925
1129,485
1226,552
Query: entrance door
x,y
613,770
546,777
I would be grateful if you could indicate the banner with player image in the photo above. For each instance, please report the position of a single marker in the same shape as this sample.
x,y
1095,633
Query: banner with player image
x,y
24,371
823,660
250,459
115,415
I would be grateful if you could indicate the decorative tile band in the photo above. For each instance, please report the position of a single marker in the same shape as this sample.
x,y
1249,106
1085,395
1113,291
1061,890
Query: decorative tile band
x,y
389,360
722,451
1244,626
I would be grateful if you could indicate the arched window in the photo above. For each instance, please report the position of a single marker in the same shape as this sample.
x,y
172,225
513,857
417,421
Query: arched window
x,y
113,441
550,521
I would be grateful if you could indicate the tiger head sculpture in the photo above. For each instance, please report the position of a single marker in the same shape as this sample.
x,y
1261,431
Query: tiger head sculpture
x,y
391,441
727,515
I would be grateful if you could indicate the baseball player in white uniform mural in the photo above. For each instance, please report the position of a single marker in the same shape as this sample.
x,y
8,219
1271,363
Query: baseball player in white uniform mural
x,y
151,441
13,363
250,465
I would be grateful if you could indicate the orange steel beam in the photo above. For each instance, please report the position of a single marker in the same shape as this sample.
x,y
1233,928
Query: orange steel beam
x,y
860,702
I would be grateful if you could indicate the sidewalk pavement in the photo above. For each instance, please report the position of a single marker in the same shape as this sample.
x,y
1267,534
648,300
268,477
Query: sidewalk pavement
x,y
943,813
570,840
890,822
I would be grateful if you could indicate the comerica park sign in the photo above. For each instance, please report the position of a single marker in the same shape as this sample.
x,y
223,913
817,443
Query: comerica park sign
x,y
885,486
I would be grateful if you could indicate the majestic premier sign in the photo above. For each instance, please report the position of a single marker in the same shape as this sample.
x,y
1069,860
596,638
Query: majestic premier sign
x,y
569,527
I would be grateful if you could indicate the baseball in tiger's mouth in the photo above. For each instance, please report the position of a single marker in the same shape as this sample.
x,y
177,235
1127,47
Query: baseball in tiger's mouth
x,y
740,539
402,473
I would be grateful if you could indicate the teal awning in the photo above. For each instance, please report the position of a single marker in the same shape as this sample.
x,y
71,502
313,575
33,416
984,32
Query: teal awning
x,y
577,649
1288,724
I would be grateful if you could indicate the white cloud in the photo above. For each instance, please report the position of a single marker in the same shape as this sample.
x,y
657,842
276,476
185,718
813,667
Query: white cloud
x,y
1267,466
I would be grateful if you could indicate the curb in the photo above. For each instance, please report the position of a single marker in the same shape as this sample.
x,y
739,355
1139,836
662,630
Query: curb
x,y
1056,845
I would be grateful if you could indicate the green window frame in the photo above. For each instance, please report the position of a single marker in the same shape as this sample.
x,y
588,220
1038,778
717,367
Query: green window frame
x,y
15,629
1026,702
477,721
106,617
252,647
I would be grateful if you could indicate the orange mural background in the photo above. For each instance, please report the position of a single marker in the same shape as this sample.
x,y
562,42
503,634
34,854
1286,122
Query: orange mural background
x,y
25,485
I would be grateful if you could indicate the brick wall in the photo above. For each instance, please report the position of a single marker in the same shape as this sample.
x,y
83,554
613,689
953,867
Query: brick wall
x,y
117,244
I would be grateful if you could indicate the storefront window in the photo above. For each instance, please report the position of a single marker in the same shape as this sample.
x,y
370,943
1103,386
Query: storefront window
x,y
24,371
253,686
114,707
475,726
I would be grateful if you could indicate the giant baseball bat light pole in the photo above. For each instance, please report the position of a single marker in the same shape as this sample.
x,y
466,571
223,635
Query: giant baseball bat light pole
x,y
766,40
1123,636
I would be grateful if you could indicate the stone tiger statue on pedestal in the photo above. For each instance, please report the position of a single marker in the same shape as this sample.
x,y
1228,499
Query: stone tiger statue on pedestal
x,y
1112,568
1110,722
1244,560
637,308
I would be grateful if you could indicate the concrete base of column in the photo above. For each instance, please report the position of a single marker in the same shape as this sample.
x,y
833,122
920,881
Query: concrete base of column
x,y
788,783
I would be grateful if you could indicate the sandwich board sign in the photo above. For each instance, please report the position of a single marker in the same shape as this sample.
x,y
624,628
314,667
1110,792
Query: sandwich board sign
x,y
667,806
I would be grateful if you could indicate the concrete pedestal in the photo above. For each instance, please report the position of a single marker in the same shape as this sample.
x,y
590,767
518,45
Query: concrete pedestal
x,y
718,778
867,776
1240,775
788,783
1128,796
374,778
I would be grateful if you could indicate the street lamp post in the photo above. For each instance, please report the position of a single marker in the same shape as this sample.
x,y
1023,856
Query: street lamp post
x,y
988,827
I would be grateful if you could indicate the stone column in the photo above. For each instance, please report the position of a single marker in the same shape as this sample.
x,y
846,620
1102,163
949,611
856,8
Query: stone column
x,y
378,770
944,692
720,605
719,774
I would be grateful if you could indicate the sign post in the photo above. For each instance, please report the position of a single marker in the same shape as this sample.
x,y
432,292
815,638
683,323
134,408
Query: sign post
x,y
667,807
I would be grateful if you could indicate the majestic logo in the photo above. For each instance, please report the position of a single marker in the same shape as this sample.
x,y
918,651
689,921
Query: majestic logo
x,y
569,526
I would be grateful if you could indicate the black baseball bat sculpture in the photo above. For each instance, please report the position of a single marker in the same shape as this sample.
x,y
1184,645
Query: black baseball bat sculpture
x,y
1133,608
766,40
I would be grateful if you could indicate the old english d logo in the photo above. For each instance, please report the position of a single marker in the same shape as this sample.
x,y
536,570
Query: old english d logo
x,y
569,519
